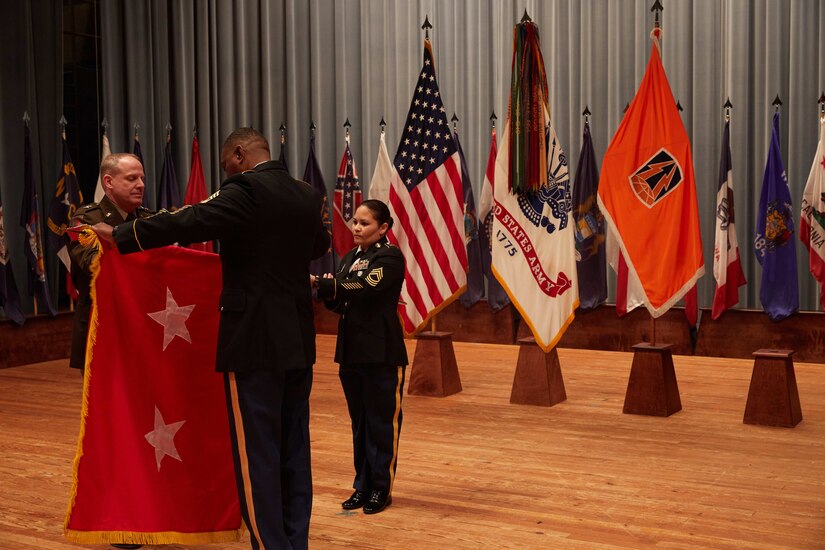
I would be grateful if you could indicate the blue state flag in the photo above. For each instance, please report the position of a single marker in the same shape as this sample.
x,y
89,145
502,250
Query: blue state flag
x,y
33,239
475,273
168,191
312,175
774,244
589,229
138,152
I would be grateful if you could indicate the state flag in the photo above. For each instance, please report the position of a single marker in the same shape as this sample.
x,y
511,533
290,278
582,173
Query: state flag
x,y
591,260
496,296
727,266
346,201
313,176
38,284
812,219
774,244
475,272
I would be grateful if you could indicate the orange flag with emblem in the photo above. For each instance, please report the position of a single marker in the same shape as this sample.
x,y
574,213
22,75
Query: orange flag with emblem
x,y
647,193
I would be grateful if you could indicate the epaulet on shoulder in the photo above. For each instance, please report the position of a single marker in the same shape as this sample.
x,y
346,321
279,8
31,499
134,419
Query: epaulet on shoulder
x,y
87,208
142,208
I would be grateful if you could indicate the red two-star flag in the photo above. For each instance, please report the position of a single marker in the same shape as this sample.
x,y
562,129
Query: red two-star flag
x,y
154,458
648,193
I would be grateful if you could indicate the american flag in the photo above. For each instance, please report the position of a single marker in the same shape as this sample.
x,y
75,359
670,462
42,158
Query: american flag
x,y
347,199
426,200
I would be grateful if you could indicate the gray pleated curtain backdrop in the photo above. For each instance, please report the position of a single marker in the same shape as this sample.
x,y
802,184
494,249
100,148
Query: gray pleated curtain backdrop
x,y
219,64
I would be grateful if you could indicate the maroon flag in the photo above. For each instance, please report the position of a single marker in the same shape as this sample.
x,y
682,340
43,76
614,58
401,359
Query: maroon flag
x,y
347,200
196,188
154,458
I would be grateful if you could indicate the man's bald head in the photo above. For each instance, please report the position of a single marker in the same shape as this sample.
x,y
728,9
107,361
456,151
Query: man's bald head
x,y
242,150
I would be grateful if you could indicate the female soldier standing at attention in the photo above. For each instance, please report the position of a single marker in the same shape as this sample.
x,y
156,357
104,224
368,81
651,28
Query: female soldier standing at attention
x,y
370,351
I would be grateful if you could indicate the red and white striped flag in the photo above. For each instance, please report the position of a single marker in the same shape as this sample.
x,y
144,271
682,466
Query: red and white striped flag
x,y
426,200
812,220
727,268
346,202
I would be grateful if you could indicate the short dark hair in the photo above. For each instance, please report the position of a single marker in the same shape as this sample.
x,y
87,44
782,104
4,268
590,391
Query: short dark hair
x,y
248,137
380,212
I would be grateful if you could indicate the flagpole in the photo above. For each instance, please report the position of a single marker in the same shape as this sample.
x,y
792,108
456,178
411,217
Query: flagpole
x,y
26,124
63,123
657,9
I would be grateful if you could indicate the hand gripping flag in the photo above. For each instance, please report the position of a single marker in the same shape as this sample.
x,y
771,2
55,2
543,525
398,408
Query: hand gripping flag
x,y
589,228
30,221
727,267
313,176
533,244
475,273
154,457
427,203
346,202
812,220
196,188
647,194
774,244
496,297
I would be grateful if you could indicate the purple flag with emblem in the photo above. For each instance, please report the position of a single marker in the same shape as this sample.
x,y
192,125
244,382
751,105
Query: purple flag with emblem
x,y
312,175
168,191
475,273
589,229
774,244
33,243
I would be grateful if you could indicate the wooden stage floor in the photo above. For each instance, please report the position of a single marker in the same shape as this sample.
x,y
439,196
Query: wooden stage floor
x,y
477,472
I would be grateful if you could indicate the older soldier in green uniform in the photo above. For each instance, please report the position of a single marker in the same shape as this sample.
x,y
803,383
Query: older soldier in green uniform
x,y
122,179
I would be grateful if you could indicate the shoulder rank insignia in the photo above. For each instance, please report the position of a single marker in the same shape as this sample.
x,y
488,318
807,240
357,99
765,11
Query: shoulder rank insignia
x,y
374,277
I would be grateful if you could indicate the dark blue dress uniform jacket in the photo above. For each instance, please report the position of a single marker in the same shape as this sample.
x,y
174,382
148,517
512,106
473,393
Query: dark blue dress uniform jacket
x,y
269,228
369,330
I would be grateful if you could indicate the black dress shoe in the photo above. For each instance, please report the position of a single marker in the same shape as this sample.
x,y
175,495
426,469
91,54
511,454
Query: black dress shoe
x,y
128,546
357,500
377,502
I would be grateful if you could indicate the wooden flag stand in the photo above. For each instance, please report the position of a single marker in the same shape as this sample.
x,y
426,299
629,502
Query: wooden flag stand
x,y
773,398
538,379
434,369
652,388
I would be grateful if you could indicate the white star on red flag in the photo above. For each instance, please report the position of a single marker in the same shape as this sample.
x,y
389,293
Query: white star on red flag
x,y
162,438
173,319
